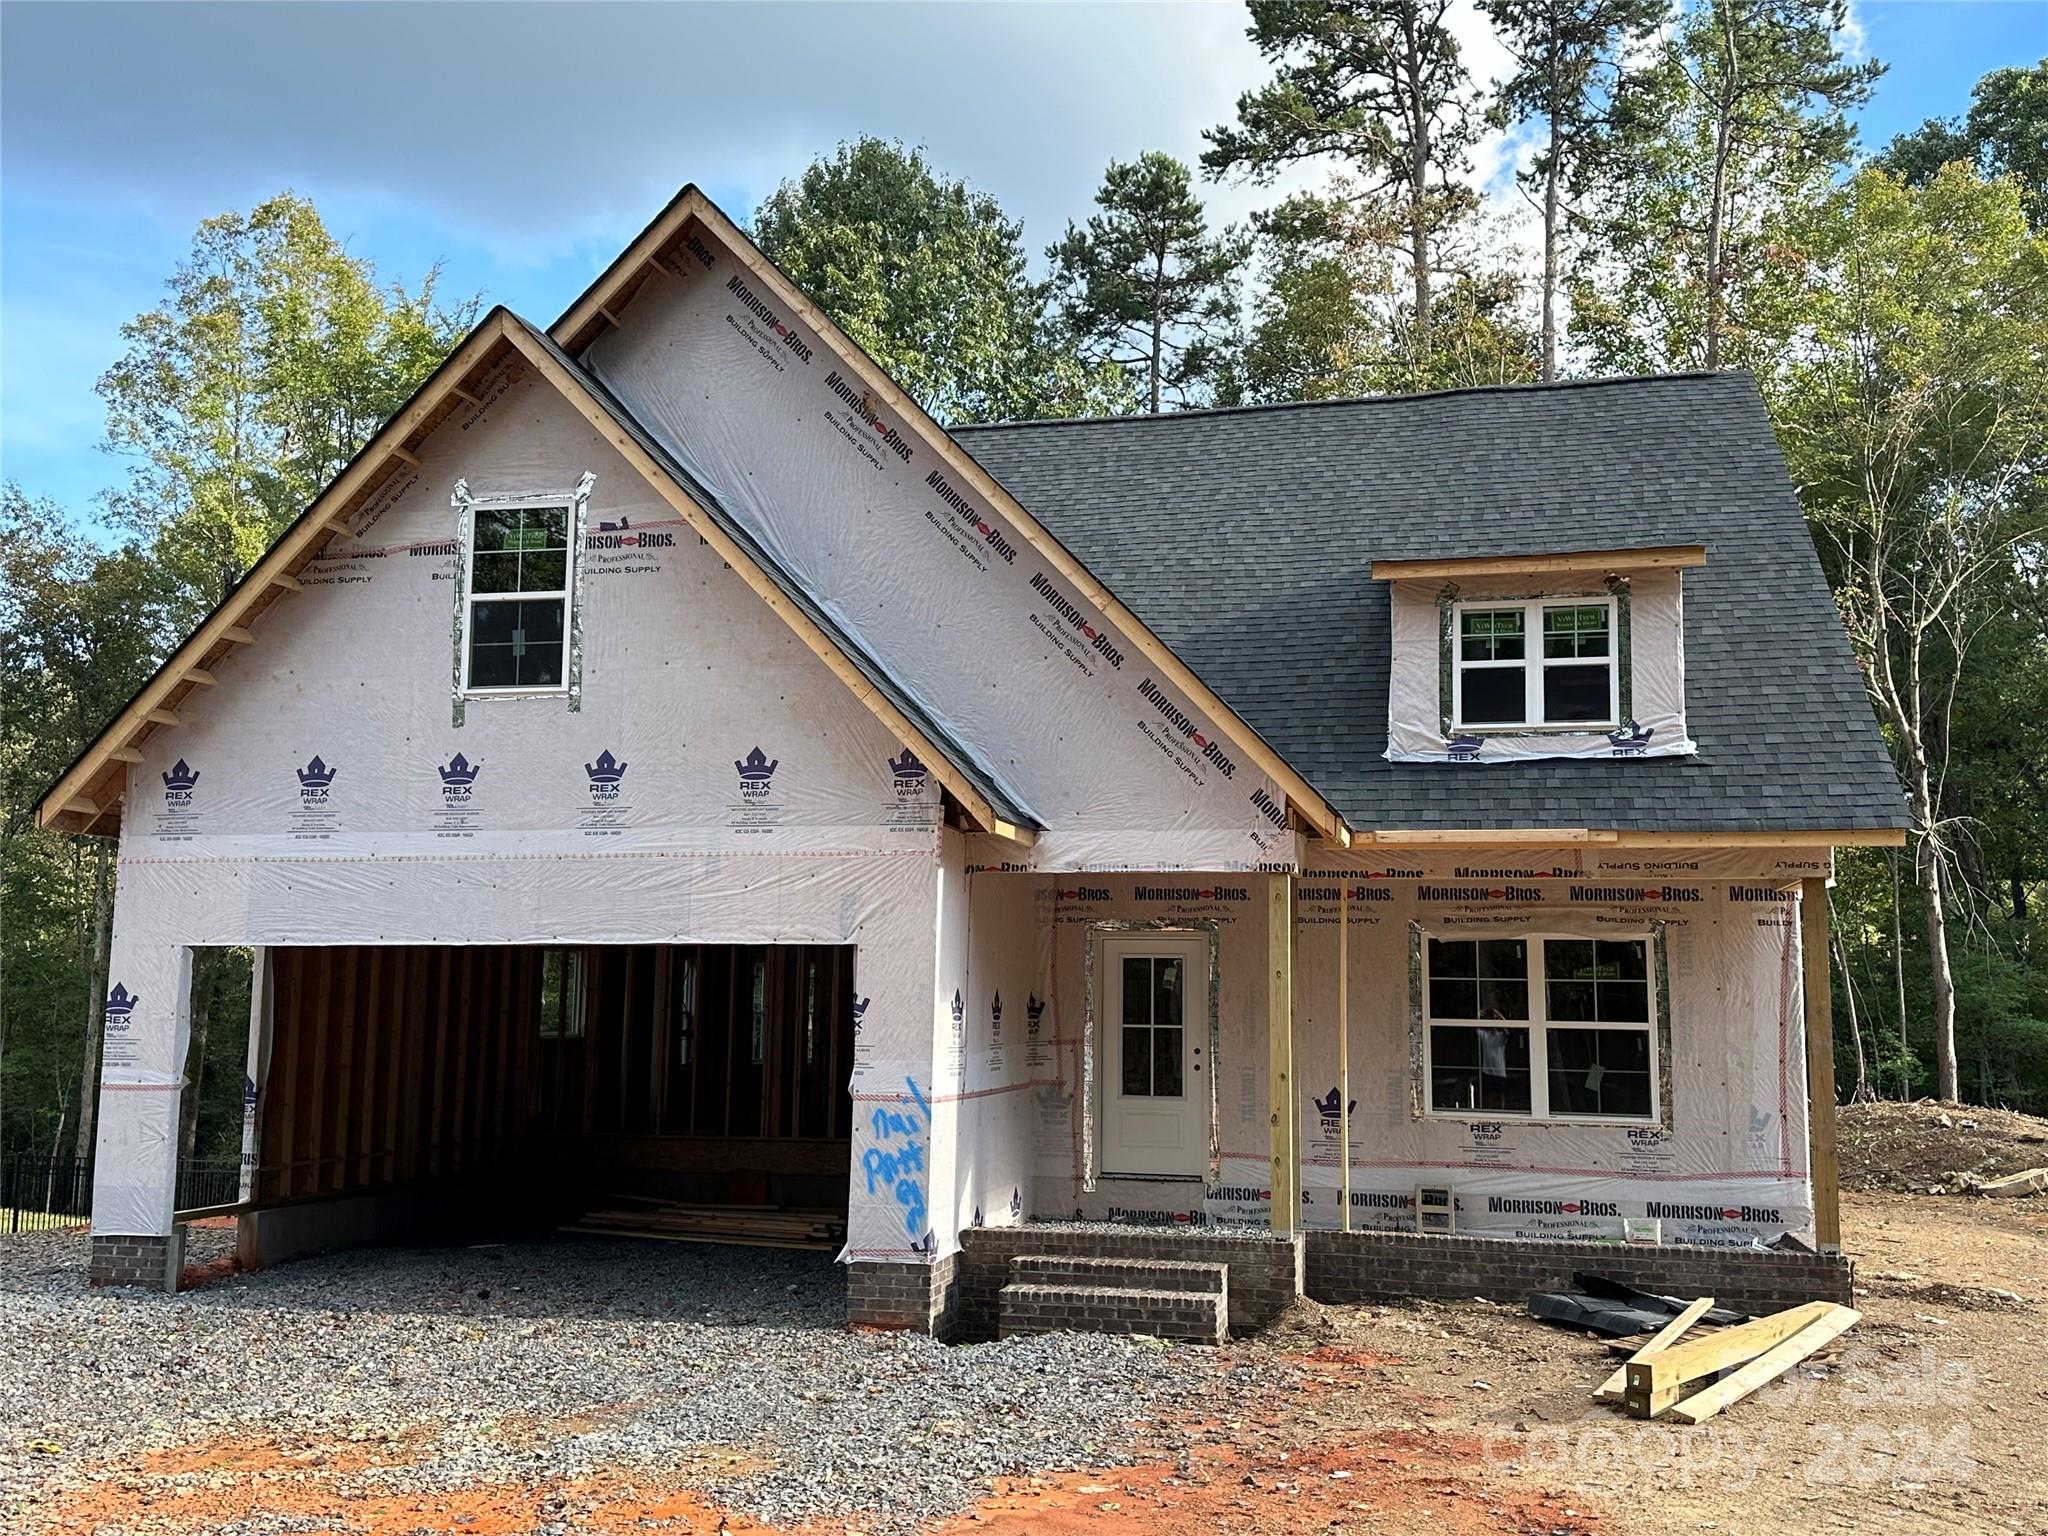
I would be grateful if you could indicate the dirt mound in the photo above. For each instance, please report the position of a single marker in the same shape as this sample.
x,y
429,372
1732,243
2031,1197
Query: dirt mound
x,y
1929,1147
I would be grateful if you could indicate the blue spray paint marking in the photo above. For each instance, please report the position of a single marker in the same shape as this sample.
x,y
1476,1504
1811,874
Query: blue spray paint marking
x,y
900,1169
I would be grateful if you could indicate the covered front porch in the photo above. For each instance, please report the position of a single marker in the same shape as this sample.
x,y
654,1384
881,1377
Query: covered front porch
x,y
1456,1071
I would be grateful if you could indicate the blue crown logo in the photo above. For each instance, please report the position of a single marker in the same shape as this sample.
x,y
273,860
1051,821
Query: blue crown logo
x,y
1016,1203
180,777
459,770
907,767
1328,1106
316,774
1631,738
623,525
756,767
606,770
977,1217
959,1009
249,1091
860,1013
927,1245
1465,749
995,1012
120,1003
1034,1007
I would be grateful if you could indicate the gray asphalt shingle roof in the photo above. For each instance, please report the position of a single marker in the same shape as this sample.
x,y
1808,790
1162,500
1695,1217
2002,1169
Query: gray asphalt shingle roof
x,y
1244,539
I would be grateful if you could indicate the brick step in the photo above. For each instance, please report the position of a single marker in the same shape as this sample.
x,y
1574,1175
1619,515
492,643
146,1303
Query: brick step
x,y
1120,1274
1198,1317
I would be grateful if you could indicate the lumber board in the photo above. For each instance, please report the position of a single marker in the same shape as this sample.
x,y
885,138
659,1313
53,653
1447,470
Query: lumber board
x,y
1613,1388
1654,1383
1767,1367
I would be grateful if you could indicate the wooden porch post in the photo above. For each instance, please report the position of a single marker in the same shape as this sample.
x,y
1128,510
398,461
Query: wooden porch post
x,y
1820,1064
1280,1051
1344,1054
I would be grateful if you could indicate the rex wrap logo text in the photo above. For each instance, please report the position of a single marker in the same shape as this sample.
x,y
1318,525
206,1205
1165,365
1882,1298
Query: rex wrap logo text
x,y
1211,750
769,318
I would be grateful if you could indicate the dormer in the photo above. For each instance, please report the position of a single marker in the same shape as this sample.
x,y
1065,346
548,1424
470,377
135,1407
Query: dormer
x,y
1504,658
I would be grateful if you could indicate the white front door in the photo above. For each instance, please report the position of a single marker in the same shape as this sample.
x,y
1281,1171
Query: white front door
x,y
1155,1038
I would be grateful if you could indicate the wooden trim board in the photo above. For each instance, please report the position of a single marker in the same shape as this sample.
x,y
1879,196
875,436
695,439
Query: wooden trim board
x,y
1662,557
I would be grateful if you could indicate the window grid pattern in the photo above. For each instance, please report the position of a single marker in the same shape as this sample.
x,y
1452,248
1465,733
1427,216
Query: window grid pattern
x,y
1569,679
517,631
1541,1027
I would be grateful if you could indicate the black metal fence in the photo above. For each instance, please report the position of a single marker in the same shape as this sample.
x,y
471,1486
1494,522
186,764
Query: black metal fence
x,y
44,1193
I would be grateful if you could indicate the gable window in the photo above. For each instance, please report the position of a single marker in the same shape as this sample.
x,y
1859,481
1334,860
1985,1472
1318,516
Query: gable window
x,y
1547,663
516,634
1546,1027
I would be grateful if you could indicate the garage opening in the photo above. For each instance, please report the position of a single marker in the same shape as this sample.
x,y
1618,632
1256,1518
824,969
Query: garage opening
x,y
687,1092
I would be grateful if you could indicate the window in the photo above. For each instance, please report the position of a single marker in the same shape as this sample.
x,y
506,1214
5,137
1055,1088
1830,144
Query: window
x,y
561,994
516,635
1153,1026
1546,1027
1535,664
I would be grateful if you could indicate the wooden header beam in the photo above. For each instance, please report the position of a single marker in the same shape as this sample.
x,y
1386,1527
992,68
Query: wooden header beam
x,y
1662,557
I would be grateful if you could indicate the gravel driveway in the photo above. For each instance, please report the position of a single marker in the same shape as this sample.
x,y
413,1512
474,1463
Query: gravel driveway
x,y
545,1361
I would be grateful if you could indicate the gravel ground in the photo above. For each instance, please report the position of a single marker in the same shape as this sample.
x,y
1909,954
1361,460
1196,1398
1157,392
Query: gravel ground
x,y
549,1360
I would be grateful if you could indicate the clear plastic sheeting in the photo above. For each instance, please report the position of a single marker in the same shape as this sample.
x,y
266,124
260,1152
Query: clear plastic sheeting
x,y
718,785
1728,1166
1639,628
1124,769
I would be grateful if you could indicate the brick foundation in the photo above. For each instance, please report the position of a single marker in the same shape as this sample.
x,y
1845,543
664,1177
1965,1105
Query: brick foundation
x,y
150,1262
1265,1271
1376,1266
923,1298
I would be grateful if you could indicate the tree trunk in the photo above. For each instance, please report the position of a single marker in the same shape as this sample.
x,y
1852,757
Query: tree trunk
x,y
1860,1092
1717,231
1551,173
1942,978
1899,982
95,1003
1418,190
205,992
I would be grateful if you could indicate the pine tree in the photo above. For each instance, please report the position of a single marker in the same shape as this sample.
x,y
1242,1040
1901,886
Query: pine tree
x,y
1145,285
1569,70
1378,87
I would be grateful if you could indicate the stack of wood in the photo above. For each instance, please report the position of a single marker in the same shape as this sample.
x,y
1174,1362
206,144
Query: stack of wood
x,y
1658,1377
677,1221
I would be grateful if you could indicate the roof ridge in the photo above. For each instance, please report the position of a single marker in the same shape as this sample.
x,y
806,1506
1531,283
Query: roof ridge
x,y
1200,412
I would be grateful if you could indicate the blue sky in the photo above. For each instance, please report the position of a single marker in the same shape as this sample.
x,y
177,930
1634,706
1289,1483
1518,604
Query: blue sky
x,y
522,145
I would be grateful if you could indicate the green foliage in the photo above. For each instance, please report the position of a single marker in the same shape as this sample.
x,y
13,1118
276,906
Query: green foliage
x,y
1741,116
928,277
274,356
1378,89
1569,73
2004,134
1145,286
82,628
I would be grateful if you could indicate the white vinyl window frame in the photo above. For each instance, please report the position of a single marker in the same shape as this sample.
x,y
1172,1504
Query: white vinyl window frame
x,y
1538,1024
1533,664
573,503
